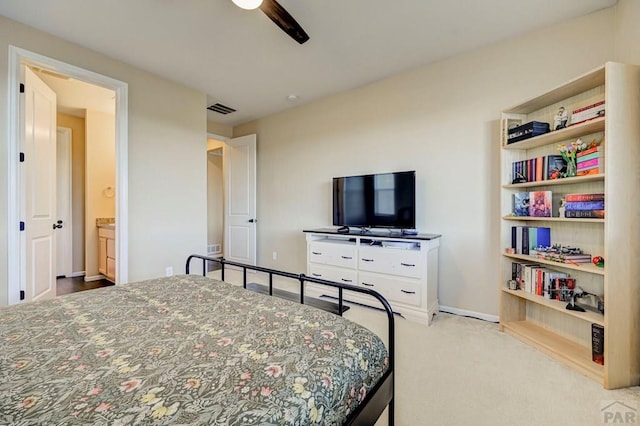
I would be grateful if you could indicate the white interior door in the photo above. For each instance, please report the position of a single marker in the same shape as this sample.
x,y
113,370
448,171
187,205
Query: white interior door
x,y
39,188
64,242
239,164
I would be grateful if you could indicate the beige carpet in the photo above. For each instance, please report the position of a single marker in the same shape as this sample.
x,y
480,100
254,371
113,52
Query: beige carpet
x,y
463,371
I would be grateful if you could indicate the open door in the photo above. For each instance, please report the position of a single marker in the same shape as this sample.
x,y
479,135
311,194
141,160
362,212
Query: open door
x,y
239,164
39,171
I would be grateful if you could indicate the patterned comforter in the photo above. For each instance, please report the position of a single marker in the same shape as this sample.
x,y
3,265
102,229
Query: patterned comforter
x,y
181,350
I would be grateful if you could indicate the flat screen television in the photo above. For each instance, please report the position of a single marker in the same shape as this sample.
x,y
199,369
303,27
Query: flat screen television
x,y
385,200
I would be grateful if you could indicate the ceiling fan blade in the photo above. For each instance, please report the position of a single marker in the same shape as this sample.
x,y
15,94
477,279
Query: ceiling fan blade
x,y
284,20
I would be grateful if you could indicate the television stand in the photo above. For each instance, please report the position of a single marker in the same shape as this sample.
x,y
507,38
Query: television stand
x,y
403,268
343,230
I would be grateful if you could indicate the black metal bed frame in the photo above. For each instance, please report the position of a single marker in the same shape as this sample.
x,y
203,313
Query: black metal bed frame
x,y
382,393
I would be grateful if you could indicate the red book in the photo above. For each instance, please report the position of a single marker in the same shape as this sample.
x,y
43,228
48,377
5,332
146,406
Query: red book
x,y
583,197
588,151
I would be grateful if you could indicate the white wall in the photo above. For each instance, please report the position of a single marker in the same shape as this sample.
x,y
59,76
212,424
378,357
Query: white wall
x,y
440,120
167,164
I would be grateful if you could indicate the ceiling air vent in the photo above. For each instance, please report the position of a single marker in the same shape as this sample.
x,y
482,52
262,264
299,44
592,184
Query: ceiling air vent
x,y
221,109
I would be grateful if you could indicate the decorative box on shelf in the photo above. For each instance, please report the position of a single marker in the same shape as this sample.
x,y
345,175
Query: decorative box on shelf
x,y
526,131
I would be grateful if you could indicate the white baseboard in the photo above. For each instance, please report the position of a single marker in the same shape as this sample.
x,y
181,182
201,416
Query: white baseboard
x,y
463,312
94,278
76,274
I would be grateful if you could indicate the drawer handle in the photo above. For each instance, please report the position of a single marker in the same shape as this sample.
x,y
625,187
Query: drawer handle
x,y
411,265
316,252
347,257
368,285
367,260
408,292
316,275
346,281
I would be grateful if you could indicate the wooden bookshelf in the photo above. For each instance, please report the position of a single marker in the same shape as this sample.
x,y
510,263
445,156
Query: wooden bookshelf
x,y
589,316
564,350
573,132
583,267
553,219
553,182
546,324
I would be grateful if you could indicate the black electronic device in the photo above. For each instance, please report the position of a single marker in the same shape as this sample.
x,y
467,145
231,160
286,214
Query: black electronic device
x,y
385,200
343,229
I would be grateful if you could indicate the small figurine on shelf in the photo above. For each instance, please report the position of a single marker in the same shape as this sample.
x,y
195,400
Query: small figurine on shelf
x,y
561,118
598,261
561,208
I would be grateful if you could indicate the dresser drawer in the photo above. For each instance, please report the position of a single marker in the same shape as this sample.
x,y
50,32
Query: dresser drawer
x,y
393,289
329,273
404,263
341,255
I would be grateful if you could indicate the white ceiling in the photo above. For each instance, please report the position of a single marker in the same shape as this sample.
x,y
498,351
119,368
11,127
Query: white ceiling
x,y
74,97
241,59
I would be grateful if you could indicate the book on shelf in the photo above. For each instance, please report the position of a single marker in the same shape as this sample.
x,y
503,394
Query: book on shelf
x,y
562,257
583,205
586,152
588,112
540,203
581,165
590,171
597,343
556,166
521,204
524,239
584,197
582,158
587,214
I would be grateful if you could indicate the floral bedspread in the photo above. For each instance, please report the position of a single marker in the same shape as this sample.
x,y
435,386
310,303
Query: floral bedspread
x,y
181,350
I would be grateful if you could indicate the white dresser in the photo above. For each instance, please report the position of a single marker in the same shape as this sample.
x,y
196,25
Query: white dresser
x,y
404,269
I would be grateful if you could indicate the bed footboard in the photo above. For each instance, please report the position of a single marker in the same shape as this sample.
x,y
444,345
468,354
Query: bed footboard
x,y
382,395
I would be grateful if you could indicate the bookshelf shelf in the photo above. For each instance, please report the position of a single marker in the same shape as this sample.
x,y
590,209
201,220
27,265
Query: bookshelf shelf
x,y
591,317
567,351
584,267
544,323
553,182
553,219
573,132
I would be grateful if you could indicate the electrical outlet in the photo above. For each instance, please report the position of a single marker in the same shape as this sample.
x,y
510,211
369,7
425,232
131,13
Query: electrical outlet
x,y
275,255
169,271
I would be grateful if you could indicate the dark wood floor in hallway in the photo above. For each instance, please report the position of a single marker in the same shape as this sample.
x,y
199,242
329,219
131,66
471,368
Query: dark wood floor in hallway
x,y
75,284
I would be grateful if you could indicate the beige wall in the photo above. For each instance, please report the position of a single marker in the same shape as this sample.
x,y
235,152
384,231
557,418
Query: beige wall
x,y
167,165
215,198
440,120
219,129
627,32
77,126
100,181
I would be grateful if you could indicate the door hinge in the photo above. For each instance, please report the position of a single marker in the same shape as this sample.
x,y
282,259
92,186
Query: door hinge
x,y
21,88
22,295
22,157
22,226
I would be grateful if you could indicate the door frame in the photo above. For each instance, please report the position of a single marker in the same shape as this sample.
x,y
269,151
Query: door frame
x,y
17,58
67,228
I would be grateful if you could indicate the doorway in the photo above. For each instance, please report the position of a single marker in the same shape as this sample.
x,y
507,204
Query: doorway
x,y
85,169
231,211
18,60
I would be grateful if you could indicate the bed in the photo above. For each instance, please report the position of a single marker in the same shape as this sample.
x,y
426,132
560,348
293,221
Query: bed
x,y
190,349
